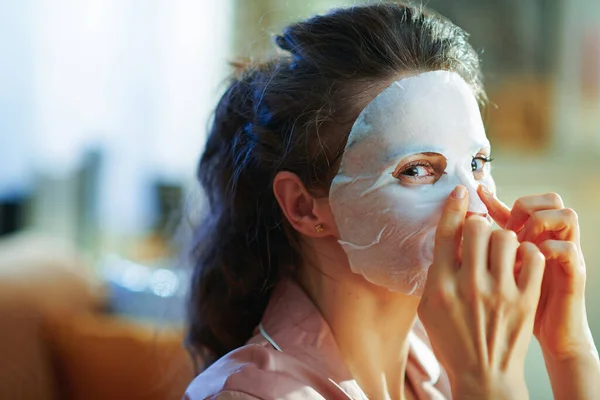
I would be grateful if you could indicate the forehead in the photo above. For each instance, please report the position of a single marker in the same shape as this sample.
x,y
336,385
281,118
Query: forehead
x,y
430,112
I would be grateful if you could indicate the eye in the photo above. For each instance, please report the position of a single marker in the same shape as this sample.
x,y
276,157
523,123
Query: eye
x,y
416,172
420,169
479,163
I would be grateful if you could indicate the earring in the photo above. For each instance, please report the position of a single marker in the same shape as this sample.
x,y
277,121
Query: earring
x,y
319,228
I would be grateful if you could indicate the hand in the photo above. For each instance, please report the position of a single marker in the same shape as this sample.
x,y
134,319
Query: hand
x,y
478,315
561,324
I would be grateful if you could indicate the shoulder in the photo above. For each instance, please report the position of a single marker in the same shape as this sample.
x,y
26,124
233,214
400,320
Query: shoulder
x,y
226,376
253,371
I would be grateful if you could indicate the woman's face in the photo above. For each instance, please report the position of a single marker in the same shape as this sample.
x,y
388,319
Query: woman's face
x,y
406,152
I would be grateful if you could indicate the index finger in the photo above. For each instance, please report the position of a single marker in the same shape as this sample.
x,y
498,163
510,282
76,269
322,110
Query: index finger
x,y
449,231
499,211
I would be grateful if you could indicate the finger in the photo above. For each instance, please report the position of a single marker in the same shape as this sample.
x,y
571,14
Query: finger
x,y
476,241
562,223
496,209
567,255
532,269
449,231
503,255
525,206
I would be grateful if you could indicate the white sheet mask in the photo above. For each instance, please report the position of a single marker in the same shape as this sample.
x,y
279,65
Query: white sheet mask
x,y
387,227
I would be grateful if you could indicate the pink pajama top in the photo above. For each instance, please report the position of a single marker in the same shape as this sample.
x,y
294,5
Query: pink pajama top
x,y
294,356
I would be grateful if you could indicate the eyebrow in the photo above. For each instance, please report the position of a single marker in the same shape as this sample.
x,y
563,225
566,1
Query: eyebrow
x,y
413,151
483,147
431,151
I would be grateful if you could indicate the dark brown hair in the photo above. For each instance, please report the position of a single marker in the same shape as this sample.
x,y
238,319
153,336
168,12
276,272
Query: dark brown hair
x,y
294,113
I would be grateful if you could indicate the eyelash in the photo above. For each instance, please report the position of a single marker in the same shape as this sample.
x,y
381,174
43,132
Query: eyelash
x,y
483,158
413,165
417,164
487,159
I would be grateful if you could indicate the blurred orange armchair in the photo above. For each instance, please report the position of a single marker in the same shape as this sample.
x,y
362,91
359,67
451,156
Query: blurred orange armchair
x,y
56,344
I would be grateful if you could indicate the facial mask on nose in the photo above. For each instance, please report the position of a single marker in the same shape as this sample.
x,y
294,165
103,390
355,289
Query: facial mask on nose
x,y
387,227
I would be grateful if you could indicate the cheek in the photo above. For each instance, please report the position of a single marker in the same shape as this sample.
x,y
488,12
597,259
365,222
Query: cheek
x,y
398,212
387,234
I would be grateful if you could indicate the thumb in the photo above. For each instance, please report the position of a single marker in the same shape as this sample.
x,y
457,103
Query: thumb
x,y
499,212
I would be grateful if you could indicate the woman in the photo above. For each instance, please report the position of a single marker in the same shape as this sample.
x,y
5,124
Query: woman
x,y
339,177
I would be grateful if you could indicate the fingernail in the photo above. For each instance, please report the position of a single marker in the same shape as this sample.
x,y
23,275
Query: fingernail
x,y
485,190
459,192
509,225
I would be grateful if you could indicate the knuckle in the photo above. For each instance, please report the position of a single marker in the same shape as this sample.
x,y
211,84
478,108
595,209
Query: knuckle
x,y
527,247
453,206
554,199
546,247
570,214
521,204
495,235
445,233
491,300
497,300
477,224
537,259
535,219
581,272
531,252
571,250
504,236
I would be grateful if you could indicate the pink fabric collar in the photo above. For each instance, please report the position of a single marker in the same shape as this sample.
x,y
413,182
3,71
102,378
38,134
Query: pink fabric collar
x,y
295,324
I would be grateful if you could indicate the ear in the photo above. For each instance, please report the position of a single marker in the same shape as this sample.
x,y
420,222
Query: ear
x,y
304,212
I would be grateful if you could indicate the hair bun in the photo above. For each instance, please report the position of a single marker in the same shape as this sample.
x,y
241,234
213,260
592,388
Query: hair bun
x,y
286,42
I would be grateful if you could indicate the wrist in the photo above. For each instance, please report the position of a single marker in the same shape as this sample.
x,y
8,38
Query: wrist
x,y
492,388
579,357
576,376
571,338
582,349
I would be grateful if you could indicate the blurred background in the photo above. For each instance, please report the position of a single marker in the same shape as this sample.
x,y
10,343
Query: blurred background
x,y
104,107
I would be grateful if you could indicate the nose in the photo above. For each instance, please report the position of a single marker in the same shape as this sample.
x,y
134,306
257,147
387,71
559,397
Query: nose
x,y
476,206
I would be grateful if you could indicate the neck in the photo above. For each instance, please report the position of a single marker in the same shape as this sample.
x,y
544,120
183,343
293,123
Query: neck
x,y
370,325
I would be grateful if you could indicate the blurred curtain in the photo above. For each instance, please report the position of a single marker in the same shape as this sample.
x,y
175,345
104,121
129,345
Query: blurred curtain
x,y
16,99
132,79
